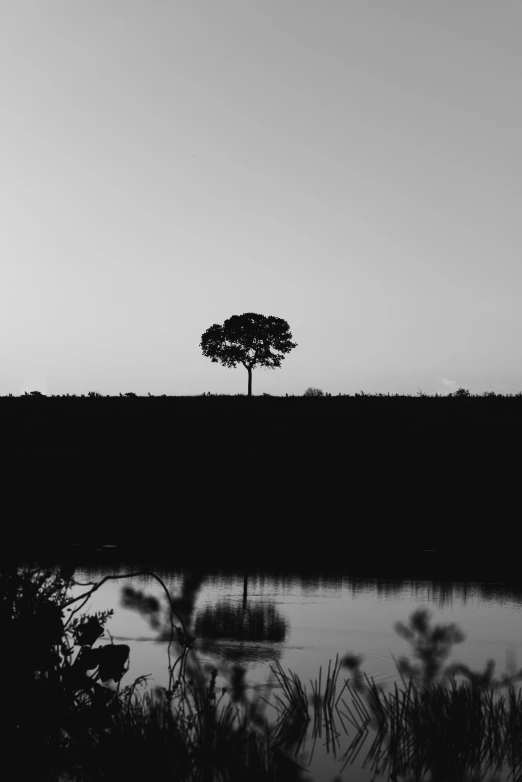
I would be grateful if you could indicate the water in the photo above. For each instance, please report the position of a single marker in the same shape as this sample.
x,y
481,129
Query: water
x,y
313,620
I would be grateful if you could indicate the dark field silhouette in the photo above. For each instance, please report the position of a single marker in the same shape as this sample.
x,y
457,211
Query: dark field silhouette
x,y
308,475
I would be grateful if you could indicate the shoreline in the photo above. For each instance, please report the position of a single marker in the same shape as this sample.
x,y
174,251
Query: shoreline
x,y
386,563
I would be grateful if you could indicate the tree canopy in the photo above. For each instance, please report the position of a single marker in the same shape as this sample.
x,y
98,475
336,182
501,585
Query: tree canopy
x,y
249,339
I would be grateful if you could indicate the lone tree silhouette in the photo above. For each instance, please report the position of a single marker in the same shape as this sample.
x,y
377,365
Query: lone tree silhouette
x,y
248,339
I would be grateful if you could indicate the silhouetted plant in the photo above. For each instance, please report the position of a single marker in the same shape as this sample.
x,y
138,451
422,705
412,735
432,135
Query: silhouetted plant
x,y
431,646
460,393
248,339
313,392
57,688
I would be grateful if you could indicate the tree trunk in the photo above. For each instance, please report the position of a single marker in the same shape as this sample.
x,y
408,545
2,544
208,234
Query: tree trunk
x,y
249,381
245,590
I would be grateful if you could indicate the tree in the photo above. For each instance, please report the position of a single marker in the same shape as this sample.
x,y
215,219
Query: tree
x,y
248,339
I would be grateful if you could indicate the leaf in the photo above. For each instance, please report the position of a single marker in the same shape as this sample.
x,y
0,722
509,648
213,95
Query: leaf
x,y
88,658
113,660
88,632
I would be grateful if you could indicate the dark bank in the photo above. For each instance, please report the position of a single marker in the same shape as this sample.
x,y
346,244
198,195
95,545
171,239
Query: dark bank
x,y
271,476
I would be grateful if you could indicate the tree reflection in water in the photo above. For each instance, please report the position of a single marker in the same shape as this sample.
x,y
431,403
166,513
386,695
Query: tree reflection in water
x,y
240,633
237,634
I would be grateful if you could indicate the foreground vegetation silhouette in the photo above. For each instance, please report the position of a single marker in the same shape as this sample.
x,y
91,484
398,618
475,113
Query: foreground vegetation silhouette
x,y
70,718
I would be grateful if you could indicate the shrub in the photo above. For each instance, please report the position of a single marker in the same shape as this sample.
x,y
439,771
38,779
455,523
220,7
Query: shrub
x,y
461,392
313,392
57,688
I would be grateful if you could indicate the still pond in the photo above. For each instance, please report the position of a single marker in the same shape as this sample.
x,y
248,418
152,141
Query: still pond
x,y
258,619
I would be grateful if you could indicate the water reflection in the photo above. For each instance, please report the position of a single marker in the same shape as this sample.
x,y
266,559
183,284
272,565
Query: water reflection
x,y
233,635
246,633
256,618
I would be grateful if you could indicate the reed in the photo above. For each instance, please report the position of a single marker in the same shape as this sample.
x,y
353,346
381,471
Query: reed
x,y
456,732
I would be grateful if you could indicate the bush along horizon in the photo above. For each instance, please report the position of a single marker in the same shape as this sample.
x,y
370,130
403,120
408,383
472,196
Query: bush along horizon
x,y
460,393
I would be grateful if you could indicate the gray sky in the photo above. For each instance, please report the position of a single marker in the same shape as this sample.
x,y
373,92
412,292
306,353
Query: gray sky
x,y
351,167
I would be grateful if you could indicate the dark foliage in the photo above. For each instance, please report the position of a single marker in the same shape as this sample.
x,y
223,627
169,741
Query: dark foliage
x,y
249,339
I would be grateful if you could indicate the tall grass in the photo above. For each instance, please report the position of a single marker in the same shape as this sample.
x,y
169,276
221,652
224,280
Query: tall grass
x,y
453,731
